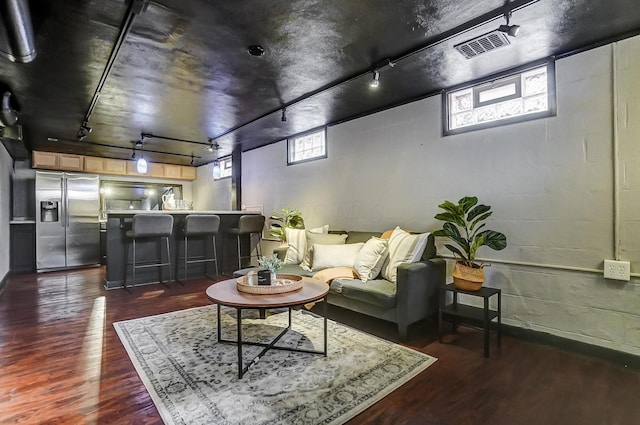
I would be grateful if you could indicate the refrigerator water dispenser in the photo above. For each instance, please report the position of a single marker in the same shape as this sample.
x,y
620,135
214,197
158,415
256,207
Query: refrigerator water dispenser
x,y
48,211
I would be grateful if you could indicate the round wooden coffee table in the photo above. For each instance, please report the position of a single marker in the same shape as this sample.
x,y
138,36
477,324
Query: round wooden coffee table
x,y
226,293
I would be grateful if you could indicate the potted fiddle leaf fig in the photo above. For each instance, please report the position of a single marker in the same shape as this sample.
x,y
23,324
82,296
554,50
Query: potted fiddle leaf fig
x,y
464,225
280,220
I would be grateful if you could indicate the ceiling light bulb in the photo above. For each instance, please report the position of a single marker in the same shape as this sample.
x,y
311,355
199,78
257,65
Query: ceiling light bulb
x,y
141,166
375,81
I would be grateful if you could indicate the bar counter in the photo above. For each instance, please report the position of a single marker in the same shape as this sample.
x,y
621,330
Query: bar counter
x,y
119,221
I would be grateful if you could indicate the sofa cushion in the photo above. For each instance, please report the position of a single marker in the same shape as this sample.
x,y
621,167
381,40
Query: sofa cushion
x,y
403,248
379,292
320,239
328,256
297,241
357,236
294,269
371,258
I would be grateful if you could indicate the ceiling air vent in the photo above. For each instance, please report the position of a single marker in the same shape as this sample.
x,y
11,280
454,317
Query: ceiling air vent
x,y
483,44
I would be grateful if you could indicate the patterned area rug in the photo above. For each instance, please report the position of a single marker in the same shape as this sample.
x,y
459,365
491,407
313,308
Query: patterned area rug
x,y
192,378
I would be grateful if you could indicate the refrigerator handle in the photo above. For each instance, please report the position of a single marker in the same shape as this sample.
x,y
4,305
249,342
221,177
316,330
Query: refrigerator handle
x,y
65,203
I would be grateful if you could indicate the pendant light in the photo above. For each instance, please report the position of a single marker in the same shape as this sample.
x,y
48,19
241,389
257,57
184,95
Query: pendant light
x,y
141,164
216,169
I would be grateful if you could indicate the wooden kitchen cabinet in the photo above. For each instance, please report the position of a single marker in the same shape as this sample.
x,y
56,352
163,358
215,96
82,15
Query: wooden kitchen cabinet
x,y
154,169
118,167
48,160
69,162
93,164
188,173
172,171
115,166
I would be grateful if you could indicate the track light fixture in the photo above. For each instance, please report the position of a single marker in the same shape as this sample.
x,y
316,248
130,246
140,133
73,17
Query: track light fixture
x,y
133,155
511,30
213,146
375,80
284,115
191,159
84,130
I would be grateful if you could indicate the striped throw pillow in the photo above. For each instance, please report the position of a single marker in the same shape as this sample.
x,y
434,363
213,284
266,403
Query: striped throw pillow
x,y
297,241
403,248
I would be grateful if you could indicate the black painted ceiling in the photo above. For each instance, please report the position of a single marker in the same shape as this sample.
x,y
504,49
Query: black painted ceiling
x,y
183,70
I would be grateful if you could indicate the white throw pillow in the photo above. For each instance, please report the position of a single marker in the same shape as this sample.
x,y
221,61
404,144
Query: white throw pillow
x,y
403,248
297,241
328,256
320,239
371,258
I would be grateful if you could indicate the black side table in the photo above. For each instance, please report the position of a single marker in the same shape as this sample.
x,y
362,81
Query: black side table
x,y
477,314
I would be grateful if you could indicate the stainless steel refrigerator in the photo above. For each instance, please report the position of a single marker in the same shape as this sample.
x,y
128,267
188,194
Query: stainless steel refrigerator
x,y
67,220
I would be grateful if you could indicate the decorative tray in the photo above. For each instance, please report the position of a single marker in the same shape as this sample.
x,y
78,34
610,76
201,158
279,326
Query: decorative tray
x,y
282,283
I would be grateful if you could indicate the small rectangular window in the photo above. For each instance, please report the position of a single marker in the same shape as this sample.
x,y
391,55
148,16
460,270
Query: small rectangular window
x,y
526,95
222,168
307,147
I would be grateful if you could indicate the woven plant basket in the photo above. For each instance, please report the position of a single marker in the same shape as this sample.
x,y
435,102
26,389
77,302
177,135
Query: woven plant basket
x,y
468,278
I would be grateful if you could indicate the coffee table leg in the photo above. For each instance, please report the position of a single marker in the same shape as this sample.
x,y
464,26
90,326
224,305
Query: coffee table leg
x,y
324,313
239,324
289,327
219,325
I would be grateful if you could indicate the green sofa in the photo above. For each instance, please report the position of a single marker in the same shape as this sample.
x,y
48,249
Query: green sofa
x,y
414,297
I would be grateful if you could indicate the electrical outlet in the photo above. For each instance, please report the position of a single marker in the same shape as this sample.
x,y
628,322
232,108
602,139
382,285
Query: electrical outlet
x,y
618,270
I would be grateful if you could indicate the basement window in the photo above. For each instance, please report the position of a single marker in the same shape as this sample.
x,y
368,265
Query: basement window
x,y
525,95
222,169
307,147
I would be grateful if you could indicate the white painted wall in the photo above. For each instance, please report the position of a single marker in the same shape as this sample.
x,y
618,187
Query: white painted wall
x,y
209,194
549,181
6,169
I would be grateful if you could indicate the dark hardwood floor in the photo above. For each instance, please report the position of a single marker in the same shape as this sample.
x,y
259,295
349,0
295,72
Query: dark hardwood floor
x,y
61,362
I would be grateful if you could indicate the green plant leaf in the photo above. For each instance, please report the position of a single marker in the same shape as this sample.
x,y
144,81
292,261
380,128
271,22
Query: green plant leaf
x,y
480,219
476,211
456,251
450,206
494,240
475,244
451,217
467,202
453,233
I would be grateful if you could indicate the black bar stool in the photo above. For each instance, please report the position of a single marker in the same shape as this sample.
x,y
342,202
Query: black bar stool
x,y
249,225
149,226
200,226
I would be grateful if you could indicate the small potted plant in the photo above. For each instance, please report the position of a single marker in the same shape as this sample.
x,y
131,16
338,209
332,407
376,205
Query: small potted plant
x,y
464,225
280,220
269,267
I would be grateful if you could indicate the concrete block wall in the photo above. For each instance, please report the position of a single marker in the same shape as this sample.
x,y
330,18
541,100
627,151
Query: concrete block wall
x,y
550,183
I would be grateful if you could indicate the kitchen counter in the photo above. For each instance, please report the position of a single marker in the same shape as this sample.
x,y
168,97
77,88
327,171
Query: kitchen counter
x,y
119,221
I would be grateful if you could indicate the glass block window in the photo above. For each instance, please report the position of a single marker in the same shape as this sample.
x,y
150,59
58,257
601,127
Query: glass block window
x,y
222,169
307,147
526,95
